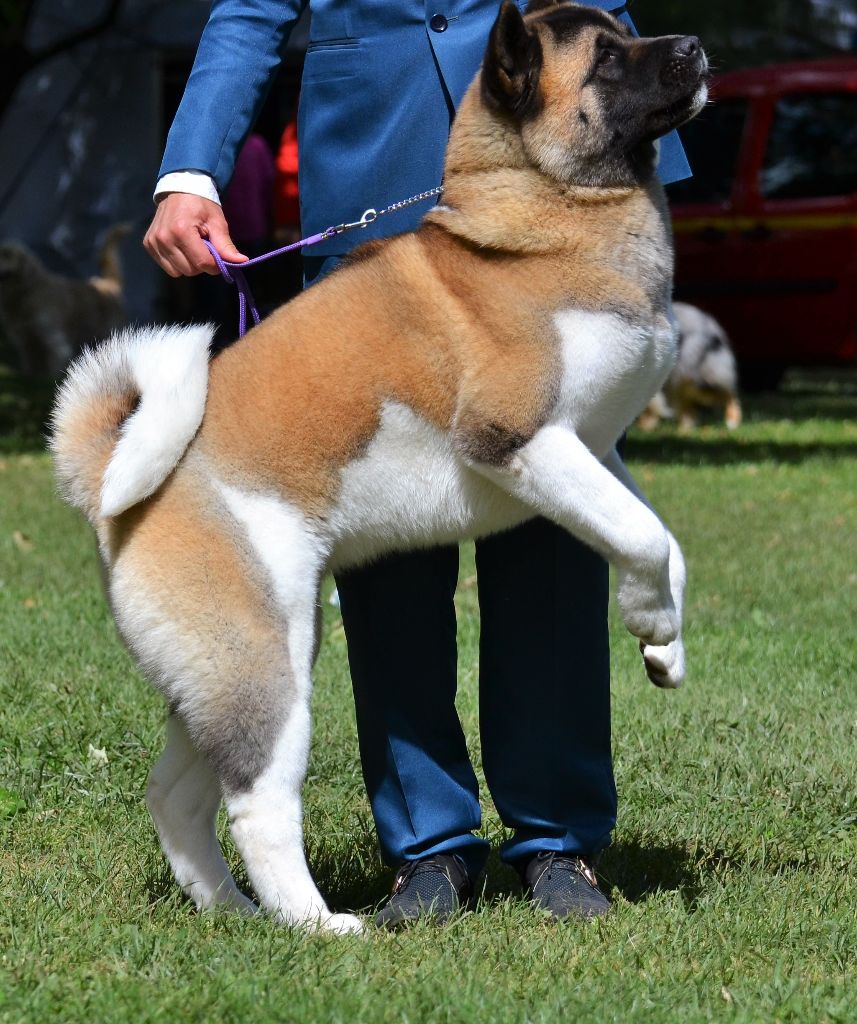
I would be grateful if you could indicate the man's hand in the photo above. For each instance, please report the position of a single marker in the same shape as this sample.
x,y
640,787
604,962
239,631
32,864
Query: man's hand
x,y
174,238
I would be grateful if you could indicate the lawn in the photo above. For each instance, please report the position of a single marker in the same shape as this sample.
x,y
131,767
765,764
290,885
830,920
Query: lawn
x,y
732,869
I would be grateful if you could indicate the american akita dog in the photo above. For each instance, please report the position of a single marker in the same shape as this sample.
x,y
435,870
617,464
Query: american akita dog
x,y
446,383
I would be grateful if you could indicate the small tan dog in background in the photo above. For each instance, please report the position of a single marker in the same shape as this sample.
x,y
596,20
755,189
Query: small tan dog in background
x,y
49,318
705,375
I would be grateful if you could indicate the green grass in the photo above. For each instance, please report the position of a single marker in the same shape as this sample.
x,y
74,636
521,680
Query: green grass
x,y
732,867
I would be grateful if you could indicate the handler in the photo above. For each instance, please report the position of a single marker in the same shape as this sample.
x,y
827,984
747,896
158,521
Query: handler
x,y
380,86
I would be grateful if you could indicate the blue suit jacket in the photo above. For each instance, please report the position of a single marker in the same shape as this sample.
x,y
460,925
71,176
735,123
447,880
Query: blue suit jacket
x,y
379,89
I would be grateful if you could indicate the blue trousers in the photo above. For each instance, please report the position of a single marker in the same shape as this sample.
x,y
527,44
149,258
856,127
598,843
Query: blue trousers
x,y
544,694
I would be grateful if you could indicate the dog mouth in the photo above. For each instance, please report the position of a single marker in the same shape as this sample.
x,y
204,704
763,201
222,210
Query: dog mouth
x,y
685,108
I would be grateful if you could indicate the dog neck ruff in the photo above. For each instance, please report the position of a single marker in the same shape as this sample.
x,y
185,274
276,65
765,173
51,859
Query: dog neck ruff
x,y
233,273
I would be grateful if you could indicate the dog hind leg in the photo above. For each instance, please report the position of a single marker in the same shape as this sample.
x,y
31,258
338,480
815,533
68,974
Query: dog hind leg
x,y
266,817
217,599
183,796
267,826
265,812
688,420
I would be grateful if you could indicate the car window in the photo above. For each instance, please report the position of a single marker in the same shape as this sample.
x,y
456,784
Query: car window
x,y
812,148
713,142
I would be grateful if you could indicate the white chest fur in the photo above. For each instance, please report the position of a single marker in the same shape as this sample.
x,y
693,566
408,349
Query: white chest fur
x,y
410,488
611,368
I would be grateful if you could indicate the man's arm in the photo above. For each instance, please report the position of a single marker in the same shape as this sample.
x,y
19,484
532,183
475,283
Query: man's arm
x,y
238,55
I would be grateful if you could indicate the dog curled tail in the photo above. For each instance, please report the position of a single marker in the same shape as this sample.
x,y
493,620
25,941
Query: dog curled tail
x,y
125,413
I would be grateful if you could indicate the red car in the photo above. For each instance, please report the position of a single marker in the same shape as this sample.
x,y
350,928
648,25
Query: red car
x,y
766,231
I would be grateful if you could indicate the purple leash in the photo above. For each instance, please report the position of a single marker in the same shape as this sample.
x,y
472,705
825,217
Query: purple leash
x,y
233,273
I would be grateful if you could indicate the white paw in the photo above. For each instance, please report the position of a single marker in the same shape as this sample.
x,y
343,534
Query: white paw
x,y
648,610
665,665
226,897
653,624
343,924
241,905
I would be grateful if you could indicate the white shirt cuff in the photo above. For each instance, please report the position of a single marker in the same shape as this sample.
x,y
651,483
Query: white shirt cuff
x,y
195,183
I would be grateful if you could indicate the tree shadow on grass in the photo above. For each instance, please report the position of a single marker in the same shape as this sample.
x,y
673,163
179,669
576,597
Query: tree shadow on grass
x,y
805,395
352,877
689,450
626,867
637,871
25,406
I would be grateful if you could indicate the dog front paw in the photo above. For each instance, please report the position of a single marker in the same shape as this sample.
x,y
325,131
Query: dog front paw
x,y
664,665
648,612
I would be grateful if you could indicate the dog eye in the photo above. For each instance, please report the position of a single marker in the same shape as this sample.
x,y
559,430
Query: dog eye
x,y
606,57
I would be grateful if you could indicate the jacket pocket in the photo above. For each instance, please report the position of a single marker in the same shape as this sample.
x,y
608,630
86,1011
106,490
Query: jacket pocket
x,y
346,43
333,59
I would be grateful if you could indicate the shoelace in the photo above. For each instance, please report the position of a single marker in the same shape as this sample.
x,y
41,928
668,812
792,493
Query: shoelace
x,y
414,867
575,864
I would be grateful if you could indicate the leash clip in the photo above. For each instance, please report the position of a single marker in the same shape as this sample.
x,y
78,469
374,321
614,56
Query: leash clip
x,y
233,273
369,217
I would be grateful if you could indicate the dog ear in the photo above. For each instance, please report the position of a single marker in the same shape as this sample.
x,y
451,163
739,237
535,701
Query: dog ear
x,y
513,60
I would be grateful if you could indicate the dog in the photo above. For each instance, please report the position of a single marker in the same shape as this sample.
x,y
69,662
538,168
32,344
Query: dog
x,y
705,375
446,383
50,318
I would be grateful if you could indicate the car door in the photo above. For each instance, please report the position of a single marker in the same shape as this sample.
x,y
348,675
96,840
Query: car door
x,y
707,208
798,257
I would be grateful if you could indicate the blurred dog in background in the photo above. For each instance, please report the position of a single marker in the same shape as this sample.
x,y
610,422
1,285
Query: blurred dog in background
x,y
705,375
47,317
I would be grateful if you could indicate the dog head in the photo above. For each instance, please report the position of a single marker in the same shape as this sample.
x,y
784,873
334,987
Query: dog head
x,y
588,98
705,356
18,262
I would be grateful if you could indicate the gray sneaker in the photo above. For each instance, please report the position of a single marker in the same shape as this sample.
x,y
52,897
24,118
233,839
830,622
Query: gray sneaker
x,y
433,886
565,885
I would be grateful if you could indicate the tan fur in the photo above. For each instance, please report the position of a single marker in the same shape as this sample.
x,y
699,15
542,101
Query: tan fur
x,y
684,401
704,377
84,443
205,588
687,401
561,78
452,320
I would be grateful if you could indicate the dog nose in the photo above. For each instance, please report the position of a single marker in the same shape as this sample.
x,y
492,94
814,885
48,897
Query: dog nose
x,y
688,46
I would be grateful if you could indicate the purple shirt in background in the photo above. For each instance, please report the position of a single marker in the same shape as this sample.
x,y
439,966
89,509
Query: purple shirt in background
x,y
248,202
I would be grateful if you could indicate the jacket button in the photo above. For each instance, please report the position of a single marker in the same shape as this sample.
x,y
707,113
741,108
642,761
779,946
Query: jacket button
x,y
438,23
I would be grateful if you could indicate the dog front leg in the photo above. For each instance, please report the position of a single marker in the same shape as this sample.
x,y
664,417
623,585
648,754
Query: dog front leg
x,y
558,476
665,665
